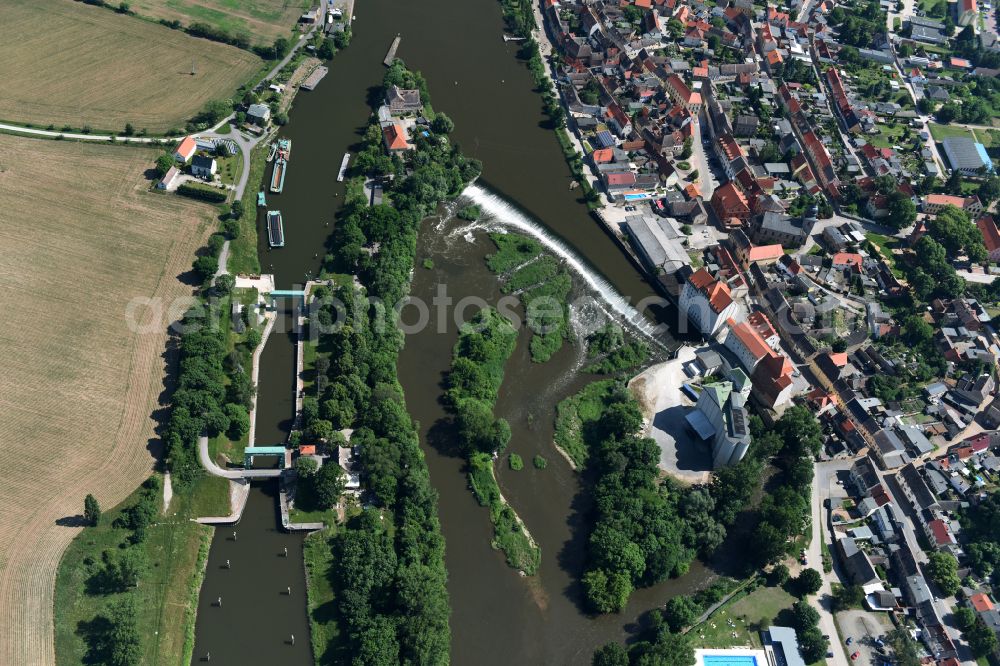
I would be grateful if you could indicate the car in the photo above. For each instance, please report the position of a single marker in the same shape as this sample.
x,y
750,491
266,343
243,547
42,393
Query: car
x,y
829,654
854,657
849,640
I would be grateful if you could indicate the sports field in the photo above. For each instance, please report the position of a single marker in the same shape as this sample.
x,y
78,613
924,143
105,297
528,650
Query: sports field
x,y
263,20
70,64
82,237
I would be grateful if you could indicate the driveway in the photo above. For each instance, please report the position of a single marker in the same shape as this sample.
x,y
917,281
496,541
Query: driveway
x,y
863,628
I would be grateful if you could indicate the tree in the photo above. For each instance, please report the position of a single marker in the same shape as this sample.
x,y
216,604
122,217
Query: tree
x,y
123,569
804,615
205,266
91,510
905,649
442,124
122,639
982,640
686,149
778,575
943,570
129,129
812,645
681,612
163,164
989,190
305,467
611,654
607,591
808,582
848,596
252,338
281,47
946,113
329,484
224,284
902,211
239,421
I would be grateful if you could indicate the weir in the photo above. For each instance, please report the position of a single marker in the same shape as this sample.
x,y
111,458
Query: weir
x,y
510,216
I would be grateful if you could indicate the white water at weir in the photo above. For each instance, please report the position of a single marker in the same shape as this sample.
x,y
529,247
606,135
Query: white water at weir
x,y
503,213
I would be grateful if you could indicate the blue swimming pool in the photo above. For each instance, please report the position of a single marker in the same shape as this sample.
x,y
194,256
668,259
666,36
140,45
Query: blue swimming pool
x,y
636,196
729,660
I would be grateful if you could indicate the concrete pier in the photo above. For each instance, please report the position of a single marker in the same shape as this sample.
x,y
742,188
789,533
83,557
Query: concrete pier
x,y
391,55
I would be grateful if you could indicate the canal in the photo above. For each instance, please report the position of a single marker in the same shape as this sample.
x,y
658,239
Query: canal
x,y
497,617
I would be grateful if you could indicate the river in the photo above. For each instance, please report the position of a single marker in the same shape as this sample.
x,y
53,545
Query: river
x,y
497,617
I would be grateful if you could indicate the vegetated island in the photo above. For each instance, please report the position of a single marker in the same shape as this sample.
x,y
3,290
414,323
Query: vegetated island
x,y
377,582
483,347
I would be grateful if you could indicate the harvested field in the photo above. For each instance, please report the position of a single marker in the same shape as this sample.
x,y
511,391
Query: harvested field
x,y
263,20
93,67
82,236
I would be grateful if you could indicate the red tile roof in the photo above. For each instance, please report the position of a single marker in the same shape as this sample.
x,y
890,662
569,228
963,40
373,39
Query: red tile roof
x,y
765,252
186,148
750,339
940,531
848,259
395,137
715,291
980,602
991,236
307,449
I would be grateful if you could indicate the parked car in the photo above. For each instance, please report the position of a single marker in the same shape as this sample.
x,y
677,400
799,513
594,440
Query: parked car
x,y
854,657
849,640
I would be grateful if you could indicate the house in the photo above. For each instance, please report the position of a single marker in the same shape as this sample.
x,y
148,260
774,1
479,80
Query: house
x,y
706,301
168,178
991,237
680,93
259,114
777,227
889,449
746,343
935,203
730,203
915,489
203,167
859,567
185,150
395,139
402,101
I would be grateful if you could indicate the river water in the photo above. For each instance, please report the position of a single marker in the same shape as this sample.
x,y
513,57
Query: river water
x,y
498,617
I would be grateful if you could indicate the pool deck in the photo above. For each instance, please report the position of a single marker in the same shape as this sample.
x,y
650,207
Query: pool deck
x,y
731,657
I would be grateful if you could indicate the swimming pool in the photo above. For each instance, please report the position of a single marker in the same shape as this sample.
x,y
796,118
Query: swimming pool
x,y
636,196
729,660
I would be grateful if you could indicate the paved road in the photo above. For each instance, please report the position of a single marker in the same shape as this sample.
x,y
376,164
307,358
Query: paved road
x,y
52,134
206,461
708,181
823,476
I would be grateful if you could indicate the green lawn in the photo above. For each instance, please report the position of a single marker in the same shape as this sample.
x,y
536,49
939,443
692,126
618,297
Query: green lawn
x,y
759,607
886,244
175,549
243,249
888,135
941,132
989,138
322,601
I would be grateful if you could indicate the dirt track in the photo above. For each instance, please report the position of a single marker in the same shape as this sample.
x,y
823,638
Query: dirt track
x,y
81,236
